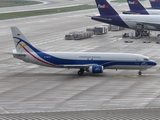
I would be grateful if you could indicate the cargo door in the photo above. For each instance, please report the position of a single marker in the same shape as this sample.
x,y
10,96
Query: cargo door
x,y
137,61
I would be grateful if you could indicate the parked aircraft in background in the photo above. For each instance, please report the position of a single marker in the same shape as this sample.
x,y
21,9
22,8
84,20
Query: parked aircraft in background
x,y
139,23
84,61
155,4
137,8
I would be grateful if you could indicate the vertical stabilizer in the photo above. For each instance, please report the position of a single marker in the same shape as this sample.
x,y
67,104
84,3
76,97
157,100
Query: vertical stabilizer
x,y
136,6
108,14
105,8
22,45
155,4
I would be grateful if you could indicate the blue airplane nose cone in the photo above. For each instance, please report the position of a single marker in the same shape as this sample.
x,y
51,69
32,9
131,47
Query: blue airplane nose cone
x,y
153,63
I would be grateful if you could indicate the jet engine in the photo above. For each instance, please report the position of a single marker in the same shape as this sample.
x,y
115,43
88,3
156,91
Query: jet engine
x,y
96,69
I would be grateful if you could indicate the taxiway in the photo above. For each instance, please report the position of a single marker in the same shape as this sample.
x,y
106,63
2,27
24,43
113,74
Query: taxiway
x,y
26,87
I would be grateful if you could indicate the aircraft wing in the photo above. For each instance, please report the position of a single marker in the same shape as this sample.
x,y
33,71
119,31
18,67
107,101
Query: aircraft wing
x,y
154,24
149,23
79,66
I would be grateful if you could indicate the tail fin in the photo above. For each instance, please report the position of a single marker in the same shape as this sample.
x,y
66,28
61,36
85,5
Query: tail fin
x,y
155,3
136,6
105,8
22,45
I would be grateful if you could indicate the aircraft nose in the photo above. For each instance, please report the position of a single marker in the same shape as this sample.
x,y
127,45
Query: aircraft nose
x,y
153,63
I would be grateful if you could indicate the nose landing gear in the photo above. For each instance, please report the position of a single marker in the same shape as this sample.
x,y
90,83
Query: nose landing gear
x,y
140,73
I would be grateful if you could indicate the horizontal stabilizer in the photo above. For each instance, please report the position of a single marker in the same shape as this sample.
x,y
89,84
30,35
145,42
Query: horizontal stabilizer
x,y
17,53
129,12
102,18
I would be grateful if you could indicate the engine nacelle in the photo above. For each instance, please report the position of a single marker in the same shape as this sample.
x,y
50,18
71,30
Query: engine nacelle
x,y
96,69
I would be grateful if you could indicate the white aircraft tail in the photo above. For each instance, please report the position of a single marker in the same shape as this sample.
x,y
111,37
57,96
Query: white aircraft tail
x,y
22,45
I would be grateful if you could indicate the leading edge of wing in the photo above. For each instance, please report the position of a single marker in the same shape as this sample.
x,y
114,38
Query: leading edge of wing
x,y
145,22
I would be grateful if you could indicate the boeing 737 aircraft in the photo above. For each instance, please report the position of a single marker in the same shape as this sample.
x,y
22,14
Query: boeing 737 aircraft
x,y
155,4
90,62
137,22
137,8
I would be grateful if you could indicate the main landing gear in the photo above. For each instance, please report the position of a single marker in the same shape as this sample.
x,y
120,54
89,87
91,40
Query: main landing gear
x,y
139,30
140,73
81,71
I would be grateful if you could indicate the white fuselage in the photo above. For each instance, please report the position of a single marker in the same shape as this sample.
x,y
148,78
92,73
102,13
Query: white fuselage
x,y
132,20
153,12
108,60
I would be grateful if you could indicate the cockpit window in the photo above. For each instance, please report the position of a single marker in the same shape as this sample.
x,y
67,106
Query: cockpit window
x,y
146,59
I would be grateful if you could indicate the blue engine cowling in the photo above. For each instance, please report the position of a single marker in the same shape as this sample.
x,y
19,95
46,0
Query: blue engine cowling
x,y
96,69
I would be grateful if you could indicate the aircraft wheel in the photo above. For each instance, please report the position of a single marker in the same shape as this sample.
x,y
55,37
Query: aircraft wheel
x,y
80,72
140,73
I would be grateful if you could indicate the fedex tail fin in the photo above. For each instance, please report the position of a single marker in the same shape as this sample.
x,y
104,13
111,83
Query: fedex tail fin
x,y
136,6
105,8
22,45
155,4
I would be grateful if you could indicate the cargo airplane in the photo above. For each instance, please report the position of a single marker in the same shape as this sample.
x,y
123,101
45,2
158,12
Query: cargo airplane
x,y
137,8
137,22
84,61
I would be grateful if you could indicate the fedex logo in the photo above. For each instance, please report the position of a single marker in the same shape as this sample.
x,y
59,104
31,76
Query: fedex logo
x,y
154,0
102,6
133,3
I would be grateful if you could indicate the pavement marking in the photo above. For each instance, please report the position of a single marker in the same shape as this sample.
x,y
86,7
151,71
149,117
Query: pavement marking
x,y
125,76
4,110
119,76
133,76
